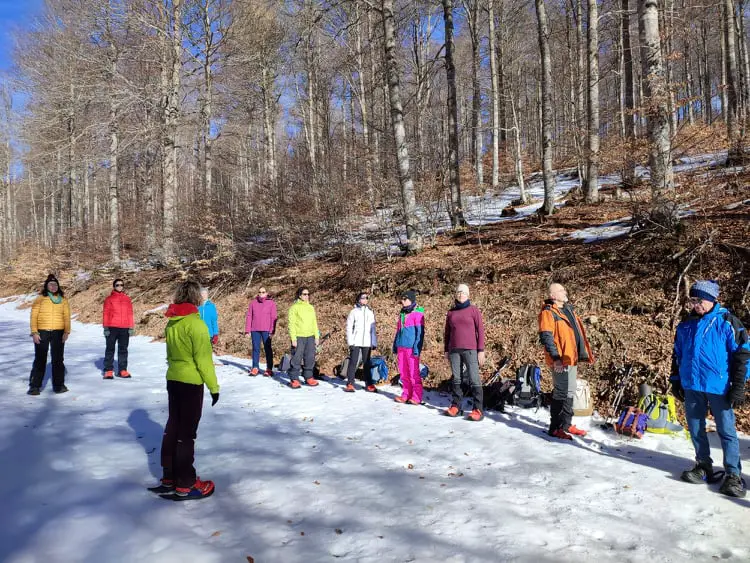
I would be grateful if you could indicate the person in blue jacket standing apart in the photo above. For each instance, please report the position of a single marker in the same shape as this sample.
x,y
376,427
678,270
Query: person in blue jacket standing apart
x,y
709,368
210,316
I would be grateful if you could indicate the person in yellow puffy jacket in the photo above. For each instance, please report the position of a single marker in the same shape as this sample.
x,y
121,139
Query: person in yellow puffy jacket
x,y
305,337
50,327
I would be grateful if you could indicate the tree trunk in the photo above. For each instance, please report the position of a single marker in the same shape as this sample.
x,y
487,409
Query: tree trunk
x,y
476,94
548,206
114,148
628,174
169,142
408,201
732,113
456,212
581,90
592,174
269,125
706,84
362,99
495,99
656,103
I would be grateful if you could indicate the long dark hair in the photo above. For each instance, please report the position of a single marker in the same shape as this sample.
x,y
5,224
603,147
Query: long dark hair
x,y
301,290
52,278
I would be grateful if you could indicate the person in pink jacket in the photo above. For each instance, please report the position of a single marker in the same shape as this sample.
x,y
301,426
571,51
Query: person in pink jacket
x,y
407,345
260,322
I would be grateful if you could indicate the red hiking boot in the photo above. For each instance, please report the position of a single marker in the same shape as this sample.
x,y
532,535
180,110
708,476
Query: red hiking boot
x,y
254,372
561,434
295,384
371,389
125,374
349,388
200,489
399,400
476,415
573,429
268,373
453,411
165,486
109,374
312,382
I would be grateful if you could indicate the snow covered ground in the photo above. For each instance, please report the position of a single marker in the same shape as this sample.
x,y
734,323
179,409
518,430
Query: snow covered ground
x,y
319,475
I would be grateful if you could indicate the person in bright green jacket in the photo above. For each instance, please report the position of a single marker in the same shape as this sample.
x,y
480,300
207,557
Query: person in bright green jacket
x,y
305,337
190,368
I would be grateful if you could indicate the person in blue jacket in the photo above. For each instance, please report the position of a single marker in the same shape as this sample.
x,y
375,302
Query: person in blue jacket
x,y
210,316
709,368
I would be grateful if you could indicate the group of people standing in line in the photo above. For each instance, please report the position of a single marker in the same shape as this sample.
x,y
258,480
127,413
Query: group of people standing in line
x,y
709,370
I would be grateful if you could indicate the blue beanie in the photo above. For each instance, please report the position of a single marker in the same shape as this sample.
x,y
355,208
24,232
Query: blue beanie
x,y
705,289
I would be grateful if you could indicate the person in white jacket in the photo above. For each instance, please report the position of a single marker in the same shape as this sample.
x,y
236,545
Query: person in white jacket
x,y
362,339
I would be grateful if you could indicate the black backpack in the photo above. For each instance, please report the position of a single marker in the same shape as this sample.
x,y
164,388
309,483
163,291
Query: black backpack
x,y
528,389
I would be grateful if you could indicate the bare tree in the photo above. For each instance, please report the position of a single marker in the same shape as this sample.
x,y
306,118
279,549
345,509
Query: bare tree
x,y
592,156
548,206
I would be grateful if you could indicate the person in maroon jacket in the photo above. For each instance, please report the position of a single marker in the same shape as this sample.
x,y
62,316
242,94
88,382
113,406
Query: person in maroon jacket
x,y
464,349
118,328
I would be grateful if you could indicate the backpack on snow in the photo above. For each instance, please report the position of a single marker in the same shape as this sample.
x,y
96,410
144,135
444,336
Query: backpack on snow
x,y
632,422
378,369
286,363
528,390
582,403
342,369
662,414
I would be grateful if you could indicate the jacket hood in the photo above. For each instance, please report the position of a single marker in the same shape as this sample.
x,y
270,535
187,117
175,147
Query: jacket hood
x,y
180,310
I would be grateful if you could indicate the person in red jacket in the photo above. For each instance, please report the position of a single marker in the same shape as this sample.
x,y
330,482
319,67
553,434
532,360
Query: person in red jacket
x,y
118,328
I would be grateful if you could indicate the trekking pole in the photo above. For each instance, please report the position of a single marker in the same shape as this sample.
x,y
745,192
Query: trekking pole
x,y
504,363
619,394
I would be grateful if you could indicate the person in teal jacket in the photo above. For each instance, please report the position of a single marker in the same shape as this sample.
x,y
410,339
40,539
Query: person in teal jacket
x,y
305,337
709,369
210,316
190,368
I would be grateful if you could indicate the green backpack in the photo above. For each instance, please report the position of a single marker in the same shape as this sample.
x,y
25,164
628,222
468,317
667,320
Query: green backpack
x,y
661,412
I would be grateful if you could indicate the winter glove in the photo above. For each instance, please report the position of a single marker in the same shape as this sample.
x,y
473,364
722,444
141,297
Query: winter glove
x,y
677,390
131,332
736,395
214,398
215,339
106,331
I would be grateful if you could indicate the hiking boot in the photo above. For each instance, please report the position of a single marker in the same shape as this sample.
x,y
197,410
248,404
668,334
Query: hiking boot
x,y
733,486
349,388
371,389
109,374
268,373
573,429
295,384
476,415
399,400
453,411
254,372
700,473
125,374
198,490
33,391
312,382
61,389
413,402
561,434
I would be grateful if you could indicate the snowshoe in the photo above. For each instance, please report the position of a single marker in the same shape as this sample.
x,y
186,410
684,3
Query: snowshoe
x,y
476,415
200,490
295,384
61,389
125,374
33,391
573,429
453,411
109,374
560,434
371,389
164,487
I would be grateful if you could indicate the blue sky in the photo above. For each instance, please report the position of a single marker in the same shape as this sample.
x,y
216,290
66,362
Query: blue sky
x,y
14,14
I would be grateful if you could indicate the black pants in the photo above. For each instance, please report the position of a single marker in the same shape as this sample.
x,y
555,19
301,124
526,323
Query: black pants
x,y
48,339
303,354
355,354
178,443
561,409
121,337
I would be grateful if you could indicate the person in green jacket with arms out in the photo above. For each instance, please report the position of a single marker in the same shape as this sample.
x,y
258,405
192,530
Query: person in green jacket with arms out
x,y
305,337
190,368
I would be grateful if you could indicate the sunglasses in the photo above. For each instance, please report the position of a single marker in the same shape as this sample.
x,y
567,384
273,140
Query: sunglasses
x,y
305,294
119,285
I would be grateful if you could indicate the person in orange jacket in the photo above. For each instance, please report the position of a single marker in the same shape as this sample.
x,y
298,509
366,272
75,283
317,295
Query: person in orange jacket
x,y
50,327
562,334
117,320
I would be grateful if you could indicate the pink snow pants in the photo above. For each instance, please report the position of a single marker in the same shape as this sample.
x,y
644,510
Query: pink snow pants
x,y
408,368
